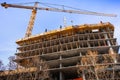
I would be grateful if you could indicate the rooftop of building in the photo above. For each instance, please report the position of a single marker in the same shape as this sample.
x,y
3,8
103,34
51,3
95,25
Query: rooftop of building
x,y
67,29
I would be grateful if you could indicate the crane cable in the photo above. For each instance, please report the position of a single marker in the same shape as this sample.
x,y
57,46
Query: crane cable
x,y
51,6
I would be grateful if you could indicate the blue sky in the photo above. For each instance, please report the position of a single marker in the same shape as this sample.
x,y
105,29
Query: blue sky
x,y
13,22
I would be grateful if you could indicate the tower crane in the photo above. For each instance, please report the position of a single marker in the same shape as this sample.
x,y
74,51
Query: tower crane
x,y
35,8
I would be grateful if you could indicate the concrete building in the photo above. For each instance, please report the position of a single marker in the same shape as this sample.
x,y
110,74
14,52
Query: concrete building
x,y
62,51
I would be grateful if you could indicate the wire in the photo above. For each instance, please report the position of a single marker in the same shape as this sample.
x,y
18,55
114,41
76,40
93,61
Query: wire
x,y
49,6
64,6
24,3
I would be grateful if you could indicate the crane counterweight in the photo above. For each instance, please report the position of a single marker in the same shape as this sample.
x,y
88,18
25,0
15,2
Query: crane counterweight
x,y
4,5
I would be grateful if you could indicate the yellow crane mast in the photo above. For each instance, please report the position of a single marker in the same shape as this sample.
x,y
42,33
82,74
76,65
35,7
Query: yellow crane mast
x,y
35,8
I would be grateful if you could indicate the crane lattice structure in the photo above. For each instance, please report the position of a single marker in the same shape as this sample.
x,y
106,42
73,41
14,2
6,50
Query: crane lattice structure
x,y
35,8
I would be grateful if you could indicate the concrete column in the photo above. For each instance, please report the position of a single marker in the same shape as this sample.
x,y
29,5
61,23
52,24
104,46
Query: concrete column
x,y
88,38
111,49
83,73
40,67
60,62
80,54
83,76
60,74
108,42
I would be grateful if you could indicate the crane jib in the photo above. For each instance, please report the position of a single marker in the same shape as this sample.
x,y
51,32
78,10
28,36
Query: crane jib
x,y
35,8
57,10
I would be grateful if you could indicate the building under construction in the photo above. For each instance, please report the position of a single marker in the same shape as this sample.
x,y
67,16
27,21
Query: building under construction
x,y
78,52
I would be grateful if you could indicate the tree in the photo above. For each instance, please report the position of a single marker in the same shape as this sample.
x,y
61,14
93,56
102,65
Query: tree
x,y
41,69
98,67
2,67
11,65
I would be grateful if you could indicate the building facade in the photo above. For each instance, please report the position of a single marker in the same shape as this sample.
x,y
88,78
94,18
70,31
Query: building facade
x,y
78,52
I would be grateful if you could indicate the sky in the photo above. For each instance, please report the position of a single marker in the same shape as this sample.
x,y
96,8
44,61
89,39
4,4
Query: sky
x,y
14,21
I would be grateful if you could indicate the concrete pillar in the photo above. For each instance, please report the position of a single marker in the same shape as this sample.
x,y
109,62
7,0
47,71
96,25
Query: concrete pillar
x,y
83,75
40,67
61,74
88,40
80,54
111,49
60,62
108,42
